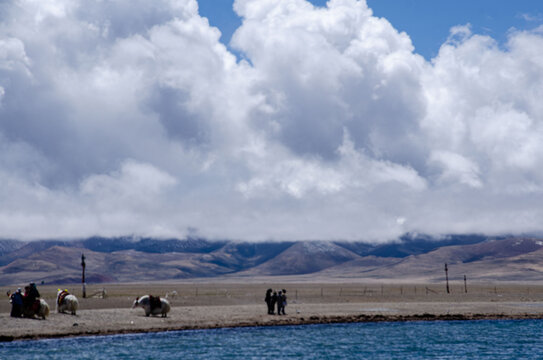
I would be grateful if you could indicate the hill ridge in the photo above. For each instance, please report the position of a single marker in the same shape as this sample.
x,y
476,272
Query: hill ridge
x,y
146,259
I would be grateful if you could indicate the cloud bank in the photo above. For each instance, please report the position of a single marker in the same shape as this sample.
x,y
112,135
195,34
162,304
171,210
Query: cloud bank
x,y
131,117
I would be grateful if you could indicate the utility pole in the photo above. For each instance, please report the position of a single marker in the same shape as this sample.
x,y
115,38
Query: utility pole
x,y
83,275
447,278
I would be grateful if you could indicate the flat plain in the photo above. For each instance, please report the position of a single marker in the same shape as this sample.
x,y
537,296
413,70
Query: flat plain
x,y
232,302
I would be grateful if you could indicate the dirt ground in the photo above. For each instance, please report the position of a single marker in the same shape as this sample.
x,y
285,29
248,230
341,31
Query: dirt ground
x,y
240,302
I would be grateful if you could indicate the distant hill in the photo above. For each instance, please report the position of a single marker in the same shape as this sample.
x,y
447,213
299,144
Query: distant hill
x,y
8,246
412,257
304,258
410,244
23,250
148,245
495,259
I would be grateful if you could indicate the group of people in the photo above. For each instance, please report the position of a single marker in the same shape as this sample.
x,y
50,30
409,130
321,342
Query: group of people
x,y
24,303
274,298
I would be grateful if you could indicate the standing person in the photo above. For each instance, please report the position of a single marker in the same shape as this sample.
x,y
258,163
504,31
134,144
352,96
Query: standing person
x,y
284,301
29,298
268,300
273,301
27,302
16,300
279,302
34,290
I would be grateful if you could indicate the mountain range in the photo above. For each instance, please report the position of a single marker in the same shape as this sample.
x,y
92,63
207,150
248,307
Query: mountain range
x,y
413,257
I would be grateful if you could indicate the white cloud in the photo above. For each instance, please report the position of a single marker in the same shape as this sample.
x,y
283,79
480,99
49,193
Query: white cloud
x,y
352,71
456,168
130,117
138,182
12,54
537,17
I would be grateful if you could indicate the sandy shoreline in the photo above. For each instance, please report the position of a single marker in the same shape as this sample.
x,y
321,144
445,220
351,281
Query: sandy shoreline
x,y
123,321
240,305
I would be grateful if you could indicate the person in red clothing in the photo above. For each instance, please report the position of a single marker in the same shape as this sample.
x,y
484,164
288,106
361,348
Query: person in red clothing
x,y
30,305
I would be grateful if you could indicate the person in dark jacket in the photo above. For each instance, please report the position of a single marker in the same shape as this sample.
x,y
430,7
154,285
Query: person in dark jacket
x,y
274,299
16,300
279,302
268,300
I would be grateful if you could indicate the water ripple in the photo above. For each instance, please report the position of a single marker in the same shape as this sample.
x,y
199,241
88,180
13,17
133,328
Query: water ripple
x,y
510,339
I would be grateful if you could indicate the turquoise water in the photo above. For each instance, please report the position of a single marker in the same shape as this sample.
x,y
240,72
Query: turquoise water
x,y
410,340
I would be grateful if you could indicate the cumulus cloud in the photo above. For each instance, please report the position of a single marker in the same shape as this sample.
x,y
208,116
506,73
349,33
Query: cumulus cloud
x,y
131,117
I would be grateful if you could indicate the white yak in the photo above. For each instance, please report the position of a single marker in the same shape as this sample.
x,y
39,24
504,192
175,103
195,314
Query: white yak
x,y
152,305
66,302
41,311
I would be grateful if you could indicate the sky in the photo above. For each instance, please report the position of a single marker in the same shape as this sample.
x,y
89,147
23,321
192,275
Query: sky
x,y
259,120
427,22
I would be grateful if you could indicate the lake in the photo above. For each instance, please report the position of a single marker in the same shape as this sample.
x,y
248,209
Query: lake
x,y
507,339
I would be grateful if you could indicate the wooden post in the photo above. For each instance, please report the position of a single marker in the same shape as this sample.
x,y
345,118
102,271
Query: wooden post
x,y
83,265
447,278
465,285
